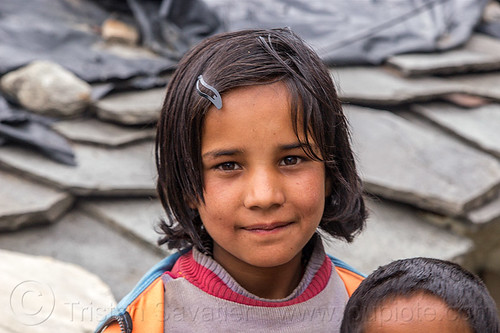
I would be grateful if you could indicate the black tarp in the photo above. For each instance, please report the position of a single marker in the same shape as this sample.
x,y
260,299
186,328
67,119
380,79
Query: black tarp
x,y
351,32
342,31
66,32
25,128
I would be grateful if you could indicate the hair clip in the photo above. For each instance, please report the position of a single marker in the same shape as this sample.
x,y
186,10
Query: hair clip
x,y
216,99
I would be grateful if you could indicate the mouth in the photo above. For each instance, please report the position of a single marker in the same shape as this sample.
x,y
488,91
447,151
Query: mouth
x,y
267,227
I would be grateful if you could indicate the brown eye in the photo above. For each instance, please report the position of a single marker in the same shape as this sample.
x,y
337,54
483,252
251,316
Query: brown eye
x,y
228,166
291,160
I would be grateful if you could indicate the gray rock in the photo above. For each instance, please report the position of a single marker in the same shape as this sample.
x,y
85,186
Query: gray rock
x,y
395,231
480,53
479,126
113,30
100,171
403,161
484,85
484,229
98,132
374,85
132,108
23,202
119,261
136,218
47,88
489,213
42,294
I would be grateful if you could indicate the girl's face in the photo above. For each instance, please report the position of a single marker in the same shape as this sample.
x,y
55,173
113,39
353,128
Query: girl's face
x,y
264,197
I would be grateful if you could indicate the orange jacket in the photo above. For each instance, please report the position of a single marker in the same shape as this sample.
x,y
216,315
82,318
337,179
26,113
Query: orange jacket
x,y
142,309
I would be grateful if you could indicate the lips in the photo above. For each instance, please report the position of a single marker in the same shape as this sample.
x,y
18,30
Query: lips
x,y
267,226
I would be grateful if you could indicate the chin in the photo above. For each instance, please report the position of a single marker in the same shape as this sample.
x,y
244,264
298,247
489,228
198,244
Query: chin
x,y
272,261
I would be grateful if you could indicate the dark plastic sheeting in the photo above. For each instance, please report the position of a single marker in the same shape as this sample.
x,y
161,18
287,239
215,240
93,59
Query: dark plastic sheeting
x,y
348,32
66,32
21,127
342,31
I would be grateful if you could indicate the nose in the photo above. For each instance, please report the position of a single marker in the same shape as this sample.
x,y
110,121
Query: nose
x,y
264,190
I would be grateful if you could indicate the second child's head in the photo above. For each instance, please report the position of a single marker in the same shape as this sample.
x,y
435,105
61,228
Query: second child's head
x,y
421,295
253,150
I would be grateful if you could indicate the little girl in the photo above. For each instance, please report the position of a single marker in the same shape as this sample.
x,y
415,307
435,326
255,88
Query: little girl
x,y
253,158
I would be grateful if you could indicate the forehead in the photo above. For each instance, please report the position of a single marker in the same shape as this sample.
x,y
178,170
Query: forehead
x,y
421,312
256,111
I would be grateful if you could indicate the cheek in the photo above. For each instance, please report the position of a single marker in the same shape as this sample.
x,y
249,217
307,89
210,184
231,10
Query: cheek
x,y
217,200
311,193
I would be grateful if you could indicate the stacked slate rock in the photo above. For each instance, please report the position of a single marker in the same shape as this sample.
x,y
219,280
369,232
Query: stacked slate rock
x,y
425,129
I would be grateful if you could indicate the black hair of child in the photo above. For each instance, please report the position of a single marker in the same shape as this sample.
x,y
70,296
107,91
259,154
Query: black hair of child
x,y
245,58
461,290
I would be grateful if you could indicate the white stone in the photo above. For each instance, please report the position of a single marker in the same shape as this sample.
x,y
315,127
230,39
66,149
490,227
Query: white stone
x,y
23,202
47,88
41,294
82,240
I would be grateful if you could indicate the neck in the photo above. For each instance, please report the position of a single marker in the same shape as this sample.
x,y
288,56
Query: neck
x,y
266,282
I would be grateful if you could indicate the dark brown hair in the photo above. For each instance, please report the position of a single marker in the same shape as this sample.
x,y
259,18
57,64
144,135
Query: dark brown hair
x,y
245,58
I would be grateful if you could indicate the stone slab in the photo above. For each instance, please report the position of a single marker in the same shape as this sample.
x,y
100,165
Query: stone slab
x,y
394,231
479,126
465,100
488,213
131,108
484,85
41,294
100,171
23,202
135,218
376,86
426,168
80,239
480,53
101,133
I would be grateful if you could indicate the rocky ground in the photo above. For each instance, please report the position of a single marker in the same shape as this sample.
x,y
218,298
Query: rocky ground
x,y
428,147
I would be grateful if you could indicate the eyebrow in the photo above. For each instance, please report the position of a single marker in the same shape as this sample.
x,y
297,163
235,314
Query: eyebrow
x,y
293,146
222,152
232,152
